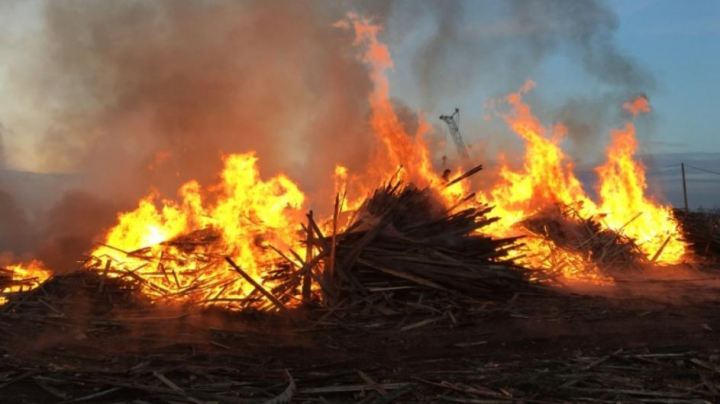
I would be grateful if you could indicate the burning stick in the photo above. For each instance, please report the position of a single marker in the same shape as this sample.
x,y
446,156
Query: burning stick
x,y
466,175
257,286
330,270
662,247
307,279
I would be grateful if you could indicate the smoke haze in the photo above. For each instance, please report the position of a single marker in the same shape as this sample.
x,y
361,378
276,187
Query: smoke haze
x,y
141,95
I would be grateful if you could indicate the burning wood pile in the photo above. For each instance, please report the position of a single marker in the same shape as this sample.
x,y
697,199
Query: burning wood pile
x,y
702,231
405,249
590,244
401,247
185,269
18,279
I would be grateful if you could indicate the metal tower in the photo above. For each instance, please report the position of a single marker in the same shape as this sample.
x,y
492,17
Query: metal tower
x,y
453,123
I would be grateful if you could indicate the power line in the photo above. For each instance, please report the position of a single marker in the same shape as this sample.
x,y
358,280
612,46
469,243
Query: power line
x,y
653,170
702,169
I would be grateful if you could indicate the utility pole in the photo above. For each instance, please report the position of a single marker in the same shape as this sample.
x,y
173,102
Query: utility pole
x,y
682,168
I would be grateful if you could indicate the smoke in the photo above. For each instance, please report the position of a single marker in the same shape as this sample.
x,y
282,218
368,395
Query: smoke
x,y
514,37
13,224
139,95
194,80
71,228
2,147
14,231
142,95
493,47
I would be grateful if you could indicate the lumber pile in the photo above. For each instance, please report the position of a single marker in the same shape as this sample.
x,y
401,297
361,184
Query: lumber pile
x,y
592,245
405,248
77,288
9,281
13,280
701,230
194,269
401,247
85,338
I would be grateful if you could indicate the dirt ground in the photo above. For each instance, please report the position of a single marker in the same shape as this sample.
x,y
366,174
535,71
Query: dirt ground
x,y
638,341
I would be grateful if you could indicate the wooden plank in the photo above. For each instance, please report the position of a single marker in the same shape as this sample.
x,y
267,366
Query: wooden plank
x,y
257,286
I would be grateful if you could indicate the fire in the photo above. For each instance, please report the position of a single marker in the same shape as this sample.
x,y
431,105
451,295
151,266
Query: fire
x,y
410,153
547,178
639,105
547,175
22,278
622,190
254,220
243,217
176,249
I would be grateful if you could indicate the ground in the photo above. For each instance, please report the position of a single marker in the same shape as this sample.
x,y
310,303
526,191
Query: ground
x,y
640,341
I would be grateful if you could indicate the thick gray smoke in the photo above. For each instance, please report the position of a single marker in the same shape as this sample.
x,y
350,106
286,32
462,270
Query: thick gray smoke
x,y
150,94
194,79
513,39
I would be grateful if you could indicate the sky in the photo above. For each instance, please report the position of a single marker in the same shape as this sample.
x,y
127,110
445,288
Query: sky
x,y
680,42
677,42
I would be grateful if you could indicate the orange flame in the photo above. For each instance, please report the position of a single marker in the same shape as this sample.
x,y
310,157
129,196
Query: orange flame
x,y
622,190
22,278
401,150
639,105
547,178
547,175
245,213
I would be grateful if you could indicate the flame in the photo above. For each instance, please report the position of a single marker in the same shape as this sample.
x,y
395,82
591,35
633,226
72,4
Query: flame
x,y
243,213
22,278
637,106
622,190
401,149
175,248
547,177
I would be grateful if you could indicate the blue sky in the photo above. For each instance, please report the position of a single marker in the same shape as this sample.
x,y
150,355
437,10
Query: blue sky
x,y
680,42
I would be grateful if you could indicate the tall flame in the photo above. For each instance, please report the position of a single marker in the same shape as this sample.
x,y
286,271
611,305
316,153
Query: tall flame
x,y
547,177
622,190
401,150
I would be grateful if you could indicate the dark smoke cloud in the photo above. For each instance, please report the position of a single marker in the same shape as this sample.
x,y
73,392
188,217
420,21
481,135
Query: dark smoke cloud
x,y
197,79
13,223
511,41
71,228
